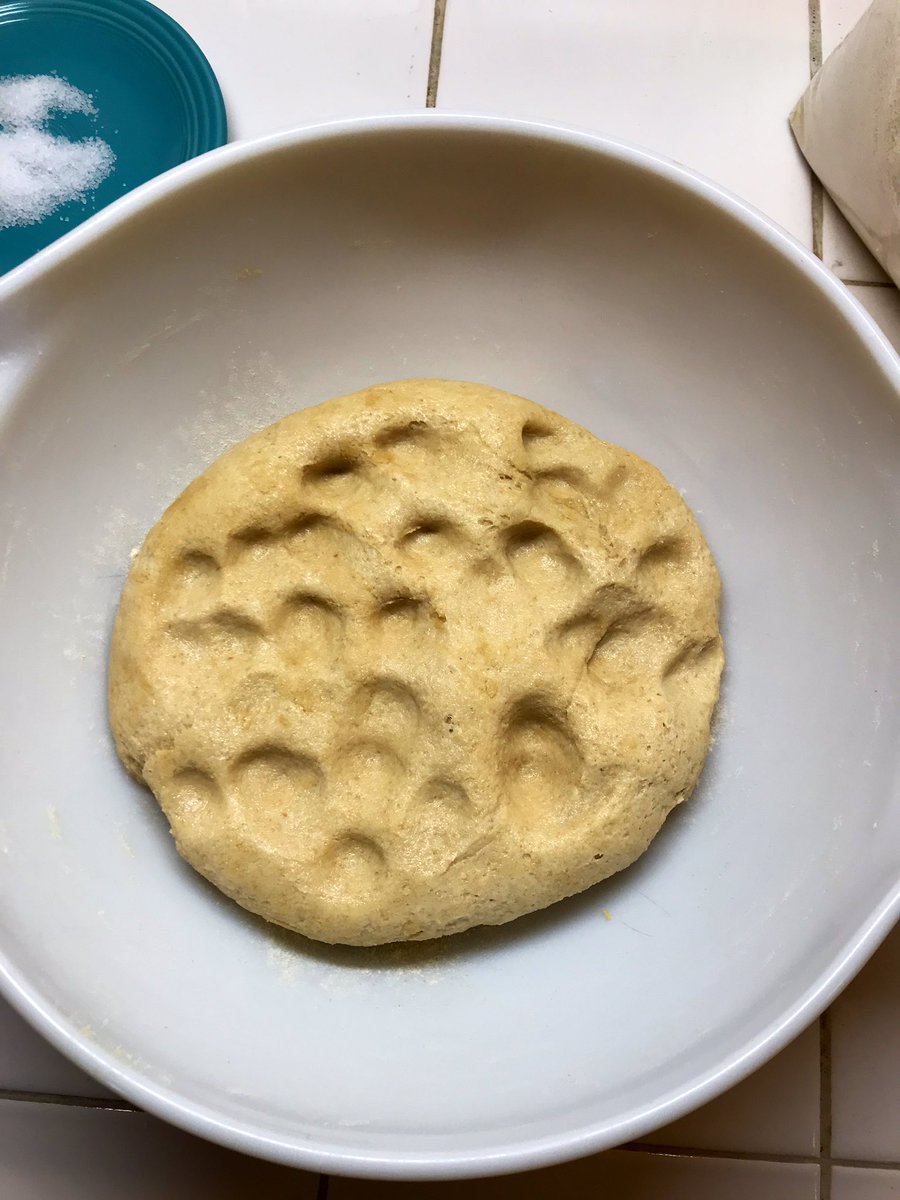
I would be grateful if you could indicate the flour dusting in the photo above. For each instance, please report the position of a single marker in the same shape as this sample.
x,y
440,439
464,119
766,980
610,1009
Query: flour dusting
x,y
256,393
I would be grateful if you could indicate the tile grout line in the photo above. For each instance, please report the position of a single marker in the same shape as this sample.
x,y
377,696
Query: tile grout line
x,y
116,1104
27,1097
662,1149
817,192
873,283
863,1164
817,206
817,221
434,59
728,1155
825,1105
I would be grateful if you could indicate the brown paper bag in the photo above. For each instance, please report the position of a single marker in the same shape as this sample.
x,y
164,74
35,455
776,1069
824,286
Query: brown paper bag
x,y
848,126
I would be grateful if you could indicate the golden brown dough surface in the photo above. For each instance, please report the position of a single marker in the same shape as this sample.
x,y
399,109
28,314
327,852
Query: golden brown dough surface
x,y
424,657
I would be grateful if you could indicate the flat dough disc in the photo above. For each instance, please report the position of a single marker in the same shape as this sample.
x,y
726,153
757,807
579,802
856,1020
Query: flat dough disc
x,y
425,657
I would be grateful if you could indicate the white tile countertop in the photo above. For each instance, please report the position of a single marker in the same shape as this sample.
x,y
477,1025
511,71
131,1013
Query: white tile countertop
x,y
707,82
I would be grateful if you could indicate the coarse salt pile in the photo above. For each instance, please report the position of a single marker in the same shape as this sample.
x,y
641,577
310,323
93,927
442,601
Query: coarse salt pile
x,y
40,171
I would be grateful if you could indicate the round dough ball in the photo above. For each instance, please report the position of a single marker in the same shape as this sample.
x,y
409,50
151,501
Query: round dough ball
x,y
425,657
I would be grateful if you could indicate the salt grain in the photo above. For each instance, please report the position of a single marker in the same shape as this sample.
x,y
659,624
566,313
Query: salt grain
x,y
29,99
40,171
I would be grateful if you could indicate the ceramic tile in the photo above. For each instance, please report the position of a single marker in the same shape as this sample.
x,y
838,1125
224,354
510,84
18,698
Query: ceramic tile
x,y
774,1111
291,62
837,19
883,303
851,1183
707,83
30,1064
620,1173
60,1152
865,1052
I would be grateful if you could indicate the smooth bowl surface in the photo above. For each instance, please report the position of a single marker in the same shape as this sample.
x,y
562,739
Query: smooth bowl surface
x,y
633,297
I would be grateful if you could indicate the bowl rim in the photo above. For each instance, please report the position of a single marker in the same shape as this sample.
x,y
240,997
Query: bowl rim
x,y
526,1152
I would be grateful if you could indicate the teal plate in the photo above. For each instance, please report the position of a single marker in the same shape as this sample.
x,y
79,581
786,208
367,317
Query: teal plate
x,y
157,100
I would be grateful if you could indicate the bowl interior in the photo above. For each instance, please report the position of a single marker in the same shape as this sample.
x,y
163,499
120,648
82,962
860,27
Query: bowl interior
x,y
587,279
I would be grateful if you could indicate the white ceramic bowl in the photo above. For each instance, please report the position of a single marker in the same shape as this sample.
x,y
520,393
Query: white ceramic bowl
x,y
628,294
